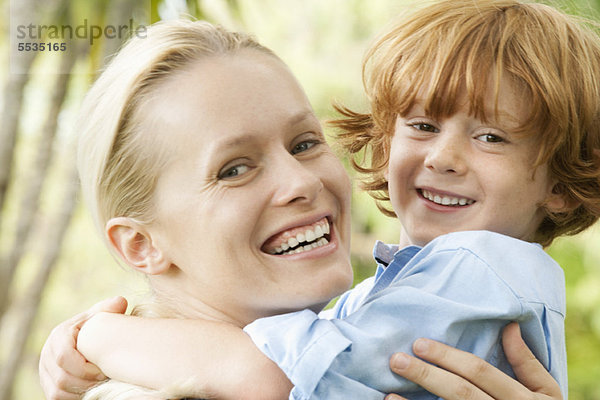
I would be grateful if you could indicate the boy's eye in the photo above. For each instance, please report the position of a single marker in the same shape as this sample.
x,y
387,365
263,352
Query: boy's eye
x,y
425,127
490,138
303,146
233,172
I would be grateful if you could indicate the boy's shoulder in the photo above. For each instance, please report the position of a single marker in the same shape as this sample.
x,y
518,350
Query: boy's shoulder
x,y
487,244
508,257
523,266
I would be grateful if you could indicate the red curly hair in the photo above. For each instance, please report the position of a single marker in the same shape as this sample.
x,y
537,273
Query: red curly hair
x,y
551,58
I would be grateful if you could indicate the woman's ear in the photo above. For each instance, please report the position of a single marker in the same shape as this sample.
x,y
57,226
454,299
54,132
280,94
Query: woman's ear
x,y
133,242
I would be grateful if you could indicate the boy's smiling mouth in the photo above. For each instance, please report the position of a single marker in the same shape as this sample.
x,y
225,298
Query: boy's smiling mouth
x,y
444,199
299,239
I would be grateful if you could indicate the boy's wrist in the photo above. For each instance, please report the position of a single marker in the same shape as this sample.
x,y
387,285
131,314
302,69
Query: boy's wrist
x,y
91,335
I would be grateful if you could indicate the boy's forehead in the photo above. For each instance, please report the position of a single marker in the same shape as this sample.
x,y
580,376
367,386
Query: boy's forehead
x,y
502,102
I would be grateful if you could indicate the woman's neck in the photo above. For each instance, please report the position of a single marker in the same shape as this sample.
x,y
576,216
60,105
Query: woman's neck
x,y
176,298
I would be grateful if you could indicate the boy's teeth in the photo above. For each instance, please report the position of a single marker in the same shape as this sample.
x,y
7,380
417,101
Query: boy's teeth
x,y
446,200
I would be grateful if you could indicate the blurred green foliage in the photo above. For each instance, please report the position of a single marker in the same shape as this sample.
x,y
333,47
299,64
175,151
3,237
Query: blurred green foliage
x,y
580,258
323,42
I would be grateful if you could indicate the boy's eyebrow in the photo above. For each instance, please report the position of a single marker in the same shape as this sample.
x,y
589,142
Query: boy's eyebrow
x,y
494,115
500,115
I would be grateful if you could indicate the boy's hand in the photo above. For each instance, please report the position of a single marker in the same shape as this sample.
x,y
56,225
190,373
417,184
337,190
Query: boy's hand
x,y
64,373
466,376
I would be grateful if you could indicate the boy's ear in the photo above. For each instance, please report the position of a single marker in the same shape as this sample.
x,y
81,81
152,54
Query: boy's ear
x,y
134,244
559,201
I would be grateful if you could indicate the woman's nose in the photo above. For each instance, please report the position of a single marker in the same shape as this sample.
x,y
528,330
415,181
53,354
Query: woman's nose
x,y
295,181
446,155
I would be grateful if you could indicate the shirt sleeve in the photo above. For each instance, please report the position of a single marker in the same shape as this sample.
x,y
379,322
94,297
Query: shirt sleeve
x,y
450,296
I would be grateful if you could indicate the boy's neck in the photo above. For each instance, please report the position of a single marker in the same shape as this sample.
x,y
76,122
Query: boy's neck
x,y
405,240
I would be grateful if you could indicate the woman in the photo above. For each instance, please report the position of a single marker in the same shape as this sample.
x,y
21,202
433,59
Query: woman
x,y
199,161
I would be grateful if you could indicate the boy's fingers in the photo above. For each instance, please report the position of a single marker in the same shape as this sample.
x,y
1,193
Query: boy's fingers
x,y
435,380
61,395
72,384
62,349
60,352
58,384
529,371
114,305
71,362
468,366
393,396
62,342
64,372
461,368
92,372
78,367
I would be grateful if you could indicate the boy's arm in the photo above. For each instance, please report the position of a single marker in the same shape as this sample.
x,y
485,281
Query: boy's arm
x,y
451,296
194,358
64,372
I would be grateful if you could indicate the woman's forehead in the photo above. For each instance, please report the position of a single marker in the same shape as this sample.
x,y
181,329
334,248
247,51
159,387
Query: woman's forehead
x,y
226,101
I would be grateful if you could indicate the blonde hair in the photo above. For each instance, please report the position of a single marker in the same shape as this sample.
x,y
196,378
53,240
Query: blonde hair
x,y
452,45
117,390
118,163
118,168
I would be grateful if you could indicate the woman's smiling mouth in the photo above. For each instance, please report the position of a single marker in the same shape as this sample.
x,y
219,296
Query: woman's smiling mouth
x,y
299,239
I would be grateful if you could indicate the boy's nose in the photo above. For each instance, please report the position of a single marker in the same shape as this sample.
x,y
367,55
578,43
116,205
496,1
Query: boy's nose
x,y
446,156
295,182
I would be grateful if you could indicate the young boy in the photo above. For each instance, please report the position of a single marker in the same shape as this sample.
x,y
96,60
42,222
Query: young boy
x,y
484,135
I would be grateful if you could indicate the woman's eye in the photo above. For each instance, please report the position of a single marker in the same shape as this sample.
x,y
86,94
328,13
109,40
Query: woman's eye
x,y
425,127
490,138
234,171
303,146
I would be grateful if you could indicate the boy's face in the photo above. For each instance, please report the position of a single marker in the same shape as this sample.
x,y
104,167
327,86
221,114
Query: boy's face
x,y
459,173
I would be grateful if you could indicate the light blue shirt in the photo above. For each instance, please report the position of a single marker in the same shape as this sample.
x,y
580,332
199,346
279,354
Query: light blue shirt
x,y
461,289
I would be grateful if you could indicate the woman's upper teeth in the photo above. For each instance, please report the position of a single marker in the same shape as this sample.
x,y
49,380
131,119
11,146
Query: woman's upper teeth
x,y
301,240
446,200
301,248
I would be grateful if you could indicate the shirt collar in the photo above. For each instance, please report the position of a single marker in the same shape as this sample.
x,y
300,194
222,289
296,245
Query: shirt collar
x,y
384,254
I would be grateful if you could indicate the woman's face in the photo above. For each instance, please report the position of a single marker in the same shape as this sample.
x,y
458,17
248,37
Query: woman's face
x,y
249,175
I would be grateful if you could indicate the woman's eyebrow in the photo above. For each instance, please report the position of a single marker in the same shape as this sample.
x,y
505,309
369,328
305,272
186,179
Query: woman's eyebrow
x,y
301,117
235,141
247,137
